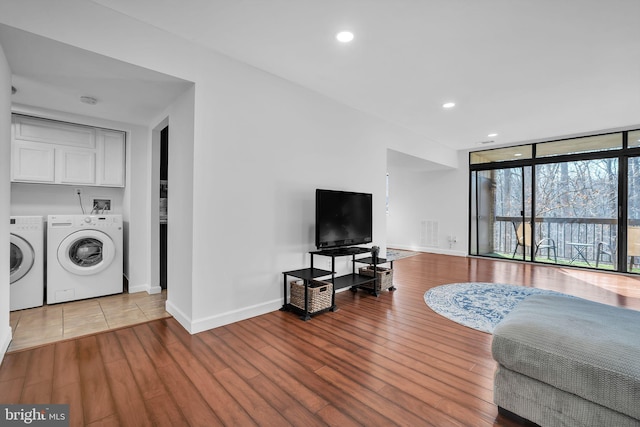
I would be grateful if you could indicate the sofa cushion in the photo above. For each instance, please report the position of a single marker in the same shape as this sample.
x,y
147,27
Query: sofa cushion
x,y
546,405
589,349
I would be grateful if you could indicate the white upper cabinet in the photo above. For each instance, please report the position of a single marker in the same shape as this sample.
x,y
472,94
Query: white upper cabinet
x,y
50,152
75,166
32,162
110,170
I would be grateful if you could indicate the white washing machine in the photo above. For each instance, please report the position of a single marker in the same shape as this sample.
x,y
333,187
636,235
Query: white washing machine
x,y
84,256
27,262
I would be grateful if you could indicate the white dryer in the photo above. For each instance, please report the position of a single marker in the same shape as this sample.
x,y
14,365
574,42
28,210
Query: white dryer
x,y
84,256
26,262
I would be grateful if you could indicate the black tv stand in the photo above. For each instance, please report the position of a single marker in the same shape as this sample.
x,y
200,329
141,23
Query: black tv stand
x,y
342,251
353,280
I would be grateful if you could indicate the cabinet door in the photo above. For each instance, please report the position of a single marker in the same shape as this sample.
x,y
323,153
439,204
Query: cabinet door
x,y
111,158
75,166
32,162
53,132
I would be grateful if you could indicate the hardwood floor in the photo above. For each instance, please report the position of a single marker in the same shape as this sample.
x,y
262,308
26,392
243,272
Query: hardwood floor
x,y
376,362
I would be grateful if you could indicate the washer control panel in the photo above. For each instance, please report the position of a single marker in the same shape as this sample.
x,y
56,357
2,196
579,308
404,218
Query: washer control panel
x,y
85,221
26,223
99,221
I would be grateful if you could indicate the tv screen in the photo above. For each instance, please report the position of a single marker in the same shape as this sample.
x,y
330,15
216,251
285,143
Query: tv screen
x,y
343,218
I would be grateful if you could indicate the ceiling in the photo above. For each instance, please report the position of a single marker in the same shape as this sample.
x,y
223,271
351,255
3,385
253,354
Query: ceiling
x,y
54,76
526,70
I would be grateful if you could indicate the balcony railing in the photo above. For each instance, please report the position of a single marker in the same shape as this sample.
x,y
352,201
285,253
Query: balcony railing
x,y
563,231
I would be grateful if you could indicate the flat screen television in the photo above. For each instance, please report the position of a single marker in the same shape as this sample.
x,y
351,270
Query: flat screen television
x,y
343,218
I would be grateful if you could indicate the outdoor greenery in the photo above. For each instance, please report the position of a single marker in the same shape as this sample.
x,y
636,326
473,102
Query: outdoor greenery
x,y
573,203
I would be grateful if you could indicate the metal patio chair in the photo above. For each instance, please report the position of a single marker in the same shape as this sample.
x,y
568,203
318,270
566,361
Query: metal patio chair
x,y
523,238
609,249
633,249
633,246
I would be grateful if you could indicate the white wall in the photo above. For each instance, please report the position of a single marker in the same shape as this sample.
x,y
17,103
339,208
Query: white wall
x,y
439,197
246,153
181,232
136,210
51,199
267,145
5,156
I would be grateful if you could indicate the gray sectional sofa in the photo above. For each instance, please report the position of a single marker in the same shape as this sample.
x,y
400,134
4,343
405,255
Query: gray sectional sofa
x,y
565,361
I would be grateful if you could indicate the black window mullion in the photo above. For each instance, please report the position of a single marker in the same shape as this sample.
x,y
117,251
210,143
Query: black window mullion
x,y
623,206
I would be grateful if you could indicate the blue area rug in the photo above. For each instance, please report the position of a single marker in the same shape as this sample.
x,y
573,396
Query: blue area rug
x,y
479,306
396,254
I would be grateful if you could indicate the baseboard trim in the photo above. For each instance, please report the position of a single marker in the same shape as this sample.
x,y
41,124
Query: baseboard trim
x,y
181,317
229,317
145,288
440,251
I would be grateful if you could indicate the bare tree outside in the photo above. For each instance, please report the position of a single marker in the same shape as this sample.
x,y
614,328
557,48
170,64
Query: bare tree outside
x,y
576,207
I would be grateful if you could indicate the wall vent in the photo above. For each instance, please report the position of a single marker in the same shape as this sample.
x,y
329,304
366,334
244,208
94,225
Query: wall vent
x,y
429,233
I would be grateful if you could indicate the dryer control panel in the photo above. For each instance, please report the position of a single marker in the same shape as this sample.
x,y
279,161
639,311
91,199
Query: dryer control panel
x,y
26,223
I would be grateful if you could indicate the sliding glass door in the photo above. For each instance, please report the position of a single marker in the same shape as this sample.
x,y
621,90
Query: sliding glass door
x,y
500,207
567,202
577,211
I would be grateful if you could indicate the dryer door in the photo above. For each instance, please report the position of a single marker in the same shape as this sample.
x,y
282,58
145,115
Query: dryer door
x,y
22,257
86,252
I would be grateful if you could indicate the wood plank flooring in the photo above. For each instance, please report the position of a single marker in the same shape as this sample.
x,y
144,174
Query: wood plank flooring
x,y
376,362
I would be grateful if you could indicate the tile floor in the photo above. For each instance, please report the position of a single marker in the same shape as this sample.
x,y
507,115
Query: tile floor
x,y
42,325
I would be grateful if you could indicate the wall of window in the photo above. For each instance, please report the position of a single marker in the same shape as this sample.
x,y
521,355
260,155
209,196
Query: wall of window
x,y
568,202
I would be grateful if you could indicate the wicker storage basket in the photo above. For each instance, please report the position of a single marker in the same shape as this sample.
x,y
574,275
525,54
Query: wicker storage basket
x,y
384,276
319,295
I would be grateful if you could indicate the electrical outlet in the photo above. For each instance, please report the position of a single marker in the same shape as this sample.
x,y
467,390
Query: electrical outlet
x,y
102,204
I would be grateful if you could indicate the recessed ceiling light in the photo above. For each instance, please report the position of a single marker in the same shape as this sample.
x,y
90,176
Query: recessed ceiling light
x,y
491,135
344,36
517,155
449,105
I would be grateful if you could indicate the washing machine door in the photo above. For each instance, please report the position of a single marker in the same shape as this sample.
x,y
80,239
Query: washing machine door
x,y
22,257
86,252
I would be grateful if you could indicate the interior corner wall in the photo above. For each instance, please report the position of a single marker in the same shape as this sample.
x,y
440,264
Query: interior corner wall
x,y
181,232
136,209
427,208
5,198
